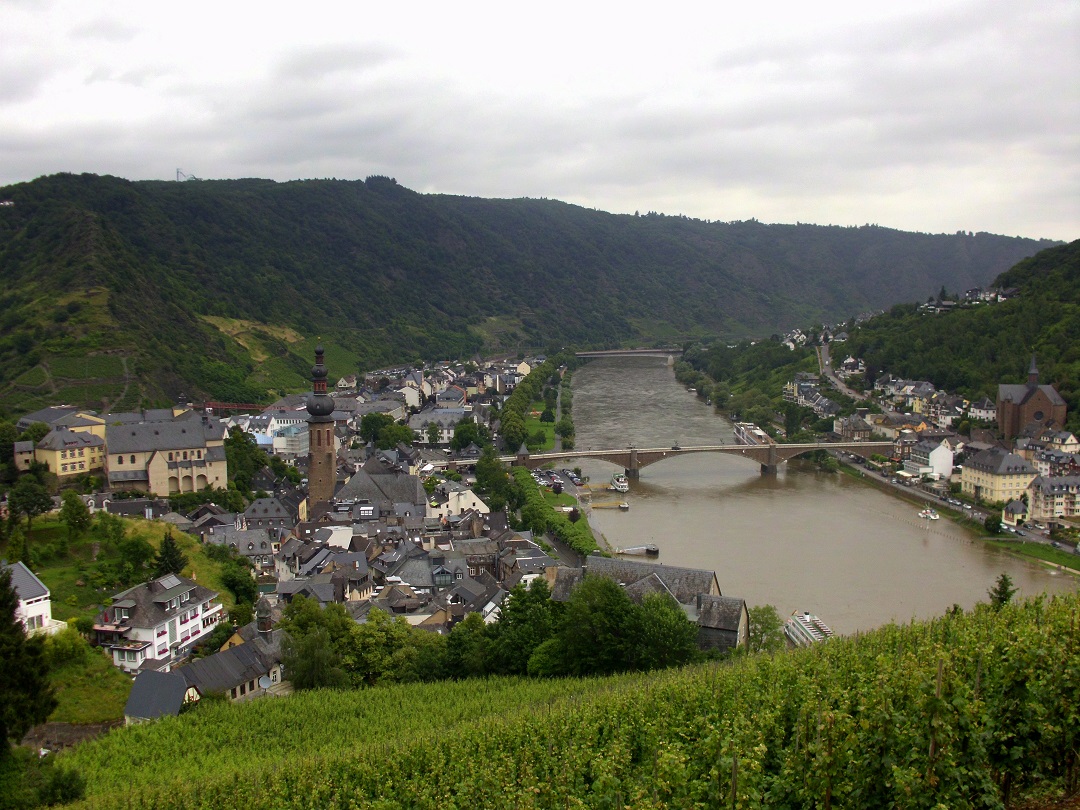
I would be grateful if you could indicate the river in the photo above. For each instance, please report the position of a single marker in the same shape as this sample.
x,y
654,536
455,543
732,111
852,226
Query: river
x,y
802,540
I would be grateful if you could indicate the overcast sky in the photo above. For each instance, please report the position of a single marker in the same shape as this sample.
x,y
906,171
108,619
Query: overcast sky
x,y
932,116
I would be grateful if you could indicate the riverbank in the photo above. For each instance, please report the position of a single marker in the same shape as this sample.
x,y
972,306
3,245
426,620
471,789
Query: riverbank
x,y
1032,551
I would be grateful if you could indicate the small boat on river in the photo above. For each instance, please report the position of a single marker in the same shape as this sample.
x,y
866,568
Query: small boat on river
x,y
929,514
649,550
620,483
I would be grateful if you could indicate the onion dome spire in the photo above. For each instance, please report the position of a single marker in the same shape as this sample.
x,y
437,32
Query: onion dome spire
x,y
320,404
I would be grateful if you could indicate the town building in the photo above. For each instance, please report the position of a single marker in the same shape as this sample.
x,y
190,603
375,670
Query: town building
x,y
1020,405
996,476
322,444
153,625
1051,498
183,453
33,610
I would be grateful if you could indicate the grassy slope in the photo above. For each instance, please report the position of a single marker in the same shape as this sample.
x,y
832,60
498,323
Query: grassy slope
x,y
96,691
913,716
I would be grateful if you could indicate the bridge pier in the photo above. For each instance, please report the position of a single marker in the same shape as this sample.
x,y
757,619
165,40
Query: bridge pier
x,y
768,469
631,473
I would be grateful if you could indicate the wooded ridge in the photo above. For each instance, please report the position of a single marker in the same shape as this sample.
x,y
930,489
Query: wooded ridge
x,y
126,293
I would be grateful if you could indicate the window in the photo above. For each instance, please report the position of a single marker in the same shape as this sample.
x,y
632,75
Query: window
x,y
170,456
133,459
185,455
243,689
81,454
119,459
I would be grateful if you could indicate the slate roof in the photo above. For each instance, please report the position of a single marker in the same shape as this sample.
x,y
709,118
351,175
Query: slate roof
x,y
566,579
155,694
149,599
149,436
999,462
385,488
63,439
683,583
26,585
223,670
1021,392
720,612
47,415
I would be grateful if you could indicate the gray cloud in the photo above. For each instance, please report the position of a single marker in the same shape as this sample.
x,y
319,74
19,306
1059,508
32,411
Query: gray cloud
x,y
964,118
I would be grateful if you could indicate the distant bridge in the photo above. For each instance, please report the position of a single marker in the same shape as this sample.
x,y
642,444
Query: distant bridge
x,y
632,459
632,353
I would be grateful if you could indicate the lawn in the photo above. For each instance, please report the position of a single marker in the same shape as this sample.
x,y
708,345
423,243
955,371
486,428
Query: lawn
x,y
69,577
1039,551
533,424
89,691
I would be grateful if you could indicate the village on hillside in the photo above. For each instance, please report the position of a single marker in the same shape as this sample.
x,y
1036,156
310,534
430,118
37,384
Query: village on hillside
x,y
399,529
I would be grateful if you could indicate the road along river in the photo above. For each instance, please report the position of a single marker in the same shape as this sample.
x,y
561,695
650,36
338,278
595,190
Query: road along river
x,y
803,540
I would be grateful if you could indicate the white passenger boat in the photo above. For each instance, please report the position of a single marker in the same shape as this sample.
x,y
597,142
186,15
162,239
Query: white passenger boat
x,y
804,629
620,483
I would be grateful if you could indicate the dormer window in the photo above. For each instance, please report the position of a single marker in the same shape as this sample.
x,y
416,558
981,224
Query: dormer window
x,y
185,596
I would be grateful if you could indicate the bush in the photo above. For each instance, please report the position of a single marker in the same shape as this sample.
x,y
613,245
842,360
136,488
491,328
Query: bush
x,y
66,647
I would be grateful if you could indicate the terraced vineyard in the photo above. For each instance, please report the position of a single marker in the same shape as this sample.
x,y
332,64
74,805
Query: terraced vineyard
x,y
964,711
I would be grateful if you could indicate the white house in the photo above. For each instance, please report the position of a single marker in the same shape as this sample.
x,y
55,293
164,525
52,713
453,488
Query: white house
x,y
156,623
929,457
34,608
451,498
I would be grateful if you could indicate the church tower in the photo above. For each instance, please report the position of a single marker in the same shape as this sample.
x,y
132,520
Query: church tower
x,y
322,460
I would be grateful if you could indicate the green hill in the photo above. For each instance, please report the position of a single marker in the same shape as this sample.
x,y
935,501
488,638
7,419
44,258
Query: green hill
x,y
119,293
964,711
971,350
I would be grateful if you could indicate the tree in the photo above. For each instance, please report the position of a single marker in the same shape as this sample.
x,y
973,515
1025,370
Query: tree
x,y
467,648
665,637
26,698
372,423
170,559
35,433
993,523
311,662
766,630
597,632
467,432
1002,592
29,498
75,514
526,620
433,433
237,579
394,434
17,549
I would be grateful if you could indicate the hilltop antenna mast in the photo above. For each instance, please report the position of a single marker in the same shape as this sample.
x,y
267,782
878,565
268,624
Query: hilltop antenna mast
x,y
181,176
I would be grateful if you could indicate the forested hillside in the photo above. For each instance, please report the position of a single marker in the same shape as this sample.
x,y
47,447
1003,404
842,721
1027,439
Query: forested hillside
x,y
971,350
118,292
970,710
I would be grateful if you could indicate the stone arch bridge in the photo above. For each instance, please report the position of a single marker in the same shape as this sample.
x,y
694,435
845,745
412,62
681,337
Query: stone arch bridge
x,y
632,459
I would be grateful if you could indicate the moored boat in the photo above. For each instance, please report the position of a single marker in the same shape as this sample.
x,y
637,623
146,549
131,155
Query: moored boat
x,y
620,483
648,550
804,629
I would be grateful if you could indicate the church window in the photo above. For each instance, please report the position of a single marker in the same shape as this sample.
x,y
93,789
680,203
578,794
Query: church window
x,y
170,456
133,459
185,455
119,459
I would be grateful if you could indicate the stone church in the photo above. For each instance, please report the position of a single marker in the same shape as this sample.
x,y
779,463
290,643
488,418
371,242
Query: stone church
x,y
1020,405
